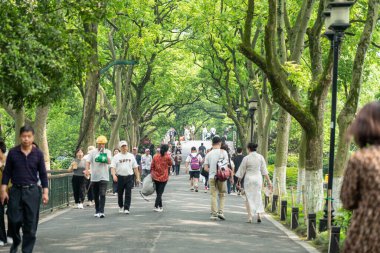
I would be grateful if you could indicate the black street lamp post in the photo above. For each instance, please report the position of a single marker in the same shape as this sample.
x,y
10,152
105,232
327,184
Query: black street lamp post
x,y
336,22
252,107
238,114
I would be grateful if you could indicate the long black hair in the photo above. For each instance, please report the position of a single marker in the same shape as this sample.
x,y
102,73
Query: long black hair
x,y
164,148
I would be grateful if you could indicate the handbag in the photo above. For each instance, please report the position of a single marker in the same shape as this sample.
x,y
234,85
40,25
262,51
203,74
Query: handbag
x,y
101,158
149,187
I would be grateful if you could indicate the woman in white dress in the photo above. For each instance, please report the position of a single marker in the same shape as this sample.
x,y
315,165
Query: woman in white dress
x,y
252,169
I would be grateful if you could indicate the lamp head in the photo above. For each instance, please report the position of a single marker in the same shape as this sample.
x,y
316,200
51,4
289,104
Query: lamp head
x,y
252,106
340,15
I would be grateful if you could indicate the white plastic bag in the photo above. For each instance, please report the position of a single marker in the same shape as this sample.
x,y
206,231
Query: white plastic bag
x,y
149,186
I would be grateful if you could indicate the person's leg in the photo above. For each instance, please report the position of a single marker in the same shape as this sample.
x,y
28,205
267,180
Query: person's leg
x,y
120,191
213,191
31,198
160,193
15,216
82,189
114,187
102,195
128,192
228,186
95,187
90,192
75,189
196,179
177,169
3,235
222,189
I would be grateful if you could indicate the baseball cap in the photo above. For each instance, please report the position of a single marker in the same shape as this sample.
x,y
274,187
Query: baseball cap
x,y
134,148
123,143
146,150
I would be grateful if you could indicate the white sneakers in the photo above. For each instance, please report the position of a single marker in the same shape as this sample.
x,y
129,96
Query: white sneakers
x,y
79,206
158,209
9,240
126,211
99,215
121,210
2,244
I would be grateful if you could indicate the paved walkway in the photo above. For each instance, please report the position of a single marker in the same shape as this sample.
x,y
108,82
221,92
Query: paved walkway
x,y
184,226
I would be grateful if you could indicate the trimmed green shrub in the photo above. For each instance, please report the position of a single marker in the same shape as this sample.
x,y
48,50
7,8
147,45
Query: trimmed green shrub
x,y
291,175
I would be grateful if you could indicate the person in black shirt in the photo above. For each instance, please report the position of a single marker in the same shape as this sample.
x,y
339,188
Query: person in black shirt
x,y
237,161
23,164
202,150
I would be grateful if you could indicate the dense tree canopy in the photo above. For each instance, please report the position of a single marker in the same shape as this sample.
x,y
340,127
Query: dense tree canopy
x,y
197,63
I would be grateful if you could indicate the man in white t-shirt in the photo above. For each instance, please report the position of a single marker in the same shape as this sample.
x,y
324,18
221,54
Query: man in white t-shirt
x,y
98,161
146,161
194,162
216,186
123,168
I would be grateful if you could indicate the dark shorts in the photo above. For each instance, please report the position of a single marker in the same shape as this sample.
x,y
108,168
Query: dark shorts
x,y
194,174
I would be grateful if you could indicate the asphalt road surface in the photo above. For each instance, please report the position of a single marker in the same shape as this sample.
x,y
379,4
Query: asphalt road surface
x,y
183,227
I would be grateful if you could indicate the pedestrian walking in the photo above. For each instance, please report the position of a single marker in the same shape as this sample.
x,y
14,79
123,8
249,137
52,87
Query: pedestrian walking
x,y
159,171
87,179
5,236
98,161
114,184
124,168
237,159
23,164
361,183
218,188
146,161
78,167
202,150
230,165
253,168
193,167
204,133
138,160
178,161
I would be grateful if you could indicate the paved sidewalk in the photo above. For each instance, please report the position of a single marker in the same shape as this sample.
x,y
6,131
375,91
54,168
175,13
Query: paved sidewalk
x,y
184,226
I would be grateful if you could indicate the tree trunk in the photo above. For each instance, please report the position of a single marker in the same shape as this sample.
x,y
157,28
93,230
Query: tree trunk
x,y
87,129
282,143
313,172
301,167
19,122
40,135
348,113
114,139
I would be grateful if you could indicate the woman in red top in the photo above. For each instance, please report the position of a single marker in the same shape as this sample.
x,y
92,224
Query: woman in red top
x,y
160,174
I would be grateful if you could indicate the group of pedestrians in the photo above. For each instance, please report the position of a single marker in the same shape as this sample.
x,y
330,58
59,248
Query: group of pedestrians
x,y
246,176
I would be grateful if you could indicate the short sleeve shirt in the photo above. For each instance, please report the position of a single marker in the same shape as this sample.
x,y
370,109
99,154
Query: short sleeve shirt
x,y
99,171
212,159
124,164
199,157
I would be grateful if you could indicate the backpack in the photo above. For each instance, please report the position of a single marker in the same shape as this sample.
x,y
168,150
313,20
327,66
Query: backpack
x,y
223,172
194,163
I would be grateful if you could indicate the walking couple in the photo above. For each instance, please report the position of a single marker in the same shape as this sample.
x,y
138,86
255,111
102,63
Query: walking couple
x,y
252,168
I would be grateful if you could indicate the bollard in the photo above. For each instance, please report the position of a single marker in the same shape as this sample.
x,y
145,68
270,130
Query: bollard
x,y
294,218
311,224
266,201
274,203
284,210
334,239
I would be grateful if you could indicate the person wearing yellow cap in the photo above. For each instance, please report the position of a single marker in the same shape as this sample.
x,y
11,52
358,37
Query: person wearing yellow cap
x,y
98,160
